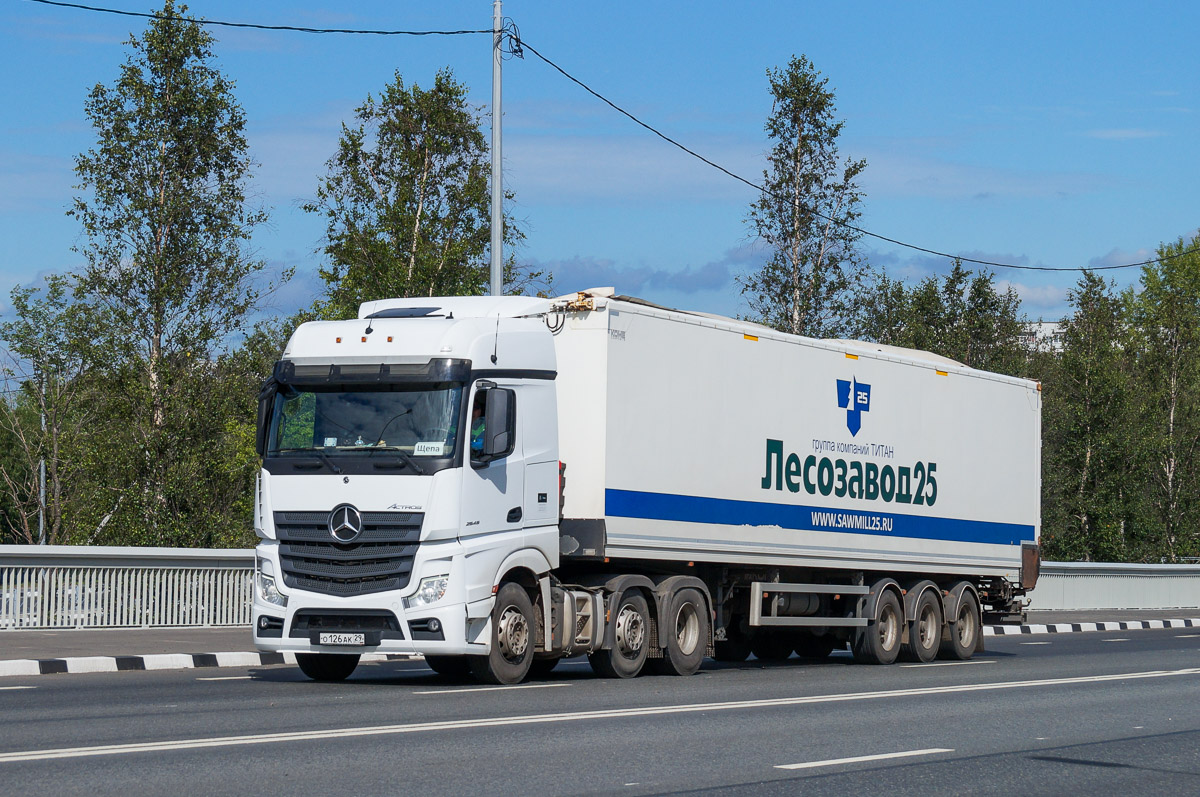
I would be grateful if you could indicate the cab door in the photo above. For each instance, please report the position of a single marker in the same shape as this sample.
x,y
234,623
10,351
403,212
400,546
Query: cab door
x,y
494,473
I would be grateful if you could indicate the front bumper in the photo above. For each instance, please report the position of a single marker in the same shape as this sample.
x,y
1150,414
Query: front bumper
x,y
450,626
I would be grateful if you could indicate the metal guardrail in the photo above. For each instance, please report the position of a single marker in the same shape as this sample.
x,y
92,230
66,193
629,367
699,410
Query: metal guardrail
x,y
1100,585
66,586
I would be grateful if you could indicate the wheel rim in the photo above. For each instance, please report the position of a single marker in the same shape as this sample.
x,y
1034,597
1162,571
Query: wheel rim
x,y
631,631
889,630
966,627
687,628
929,627
513,634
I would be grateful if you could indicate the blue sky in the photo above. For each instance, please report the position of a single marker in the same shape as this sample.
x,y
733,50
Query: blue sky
x,y
1060,134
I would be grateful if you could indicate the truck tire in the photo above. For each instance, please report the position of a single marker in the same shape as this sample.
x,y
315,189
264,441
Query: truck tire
x,y
736,645
963,633
327,666
687,634
450,666
814,647
628,654
879,642
924,635
512,639
769,645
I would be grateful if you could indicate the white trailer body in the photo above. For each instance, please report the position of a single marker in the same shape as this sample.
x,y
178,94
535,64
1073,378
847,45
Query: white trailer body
x,y
497,481
704,439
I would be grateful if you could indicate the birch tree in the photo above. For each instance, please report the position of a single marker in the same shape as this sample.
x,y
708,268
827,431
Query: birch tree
x,y
406,200
810,197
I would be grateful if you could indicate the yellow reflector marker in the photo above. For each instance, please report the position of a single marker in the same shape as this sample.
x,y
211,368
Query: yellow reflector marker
x,y
389,338
851,356
339,340
364,340
750,337
943,373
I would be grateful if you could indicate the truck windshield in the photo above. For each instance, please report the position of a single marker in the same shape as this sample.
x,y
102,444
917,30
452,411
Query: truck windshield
x,y
418,420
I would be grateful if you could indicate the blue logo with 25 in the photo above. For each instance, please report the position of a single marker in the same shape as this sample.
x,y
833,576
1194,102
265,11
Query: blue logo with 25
x,y
855,398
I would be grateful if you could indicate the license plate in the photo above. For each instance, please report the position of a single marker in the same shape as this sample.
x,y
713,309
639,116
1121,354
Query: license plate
x,y
343,639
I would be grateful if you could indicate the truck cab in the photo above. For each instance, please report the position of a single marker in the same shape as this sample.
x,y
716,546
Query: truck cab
x,y
409,470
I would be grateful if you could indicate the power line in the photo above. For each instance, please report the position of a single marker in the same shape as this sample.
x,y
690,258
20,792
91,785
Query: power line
x,y
293,28
520,45
517,46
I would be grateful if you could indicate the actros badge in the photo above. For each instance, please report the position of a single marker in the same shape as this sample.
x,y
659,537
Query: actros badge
x,y
345,523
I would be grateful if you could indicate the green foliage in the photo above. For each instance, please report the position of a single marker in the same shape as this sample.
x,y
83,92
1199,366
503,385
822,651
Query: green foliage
x,y
961,316
802,215
167,222
406,201
1089,445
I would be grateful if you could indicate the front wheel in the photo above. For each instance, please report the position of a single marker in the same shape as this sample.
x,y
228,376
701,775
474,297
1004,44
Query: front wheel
x,y
628,655
327,666
512,639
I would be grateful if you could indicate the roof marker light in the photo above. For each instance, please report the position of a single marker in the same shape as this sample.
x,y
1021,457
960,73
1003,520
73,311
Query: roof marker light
x,y
851,356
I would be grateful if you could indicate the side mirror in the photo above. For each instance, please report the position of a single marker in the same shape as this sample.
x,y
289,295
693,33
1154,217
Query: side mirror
x,y
266,401
499,423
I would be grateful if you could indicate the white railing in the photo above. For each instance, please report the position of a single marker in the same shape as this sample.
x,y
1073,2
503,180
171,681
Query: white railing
x,y
1100,585
64,586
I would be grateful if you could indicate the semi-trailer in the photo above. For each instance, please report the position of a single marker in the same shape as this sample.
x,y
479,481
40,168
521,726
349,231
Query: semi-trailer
x,y
499,483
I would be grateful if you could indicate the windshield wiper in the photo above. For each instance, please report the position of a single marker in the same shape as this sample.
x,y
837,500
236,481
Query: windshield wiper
x,y
324,457
405,459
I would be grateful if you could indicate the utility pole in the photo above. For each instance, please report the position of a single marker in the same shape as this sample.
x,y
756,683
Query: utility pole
x,y
42,470
497,181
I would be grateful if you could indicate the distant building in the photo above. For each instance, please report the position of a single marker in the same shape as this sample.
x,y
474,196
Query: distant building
x,y
1042,336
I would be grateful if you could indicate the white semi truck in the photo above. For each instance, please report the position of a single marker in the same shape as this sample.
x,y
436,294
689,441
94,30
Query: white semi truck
x,y
502,482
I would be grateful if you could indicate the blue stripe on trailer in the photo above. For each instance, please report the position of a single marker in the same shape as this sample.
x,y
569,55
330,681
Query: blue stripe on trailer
x,y
695,509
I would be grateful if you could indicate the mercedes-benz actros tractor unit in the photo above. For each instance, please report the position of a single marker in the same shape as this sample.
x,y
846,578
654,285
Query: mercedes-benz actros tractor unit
x,y
499,483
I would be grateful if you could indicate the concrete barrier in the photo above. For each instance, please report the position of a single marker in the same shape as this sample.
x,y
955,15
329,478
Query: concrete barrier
x,y
1100,585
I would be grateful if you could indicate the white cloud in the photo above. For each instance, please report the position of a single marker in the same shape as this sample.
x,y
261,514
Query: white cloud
x,y
892,175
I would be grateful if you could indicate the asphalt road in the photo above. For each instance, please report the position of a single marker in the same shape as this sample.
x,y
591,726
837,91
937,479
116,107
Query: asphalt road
x,y
1052,714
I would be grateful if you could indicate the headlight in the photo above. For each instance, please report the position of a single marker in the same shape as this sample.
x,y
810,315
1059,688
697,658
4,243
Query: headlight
x,y
430,591
268,592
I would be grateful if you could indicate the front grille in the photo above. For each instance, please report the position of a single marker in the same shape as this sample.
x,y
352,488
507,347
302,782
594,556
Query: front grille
x,y
380,559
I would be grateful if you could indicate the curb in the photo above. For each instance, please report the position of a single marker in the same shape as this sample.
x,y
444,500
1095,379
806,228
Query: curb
x,y
1067,628
187,661
164,661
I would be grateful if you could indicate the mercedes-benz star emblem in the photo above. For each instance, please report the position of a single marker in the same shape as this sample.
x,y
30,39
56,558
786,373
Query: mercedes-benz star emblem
x,y
345,523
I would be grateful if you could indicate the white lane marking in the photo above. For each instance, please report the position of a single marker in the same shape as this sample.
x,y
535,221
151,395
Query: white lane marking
x,y
576,716
485,689
1118,639
227,678
860,758
10,688
1034,643
951,663
1186,636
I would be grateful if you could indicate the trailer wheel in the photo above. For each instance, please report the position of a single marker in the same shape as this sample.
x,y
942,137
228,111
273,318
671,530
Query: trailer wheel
x,y
879,643
450,666
925,631
628,654
327,666
772,646
815,647
512,639
964,631
687,634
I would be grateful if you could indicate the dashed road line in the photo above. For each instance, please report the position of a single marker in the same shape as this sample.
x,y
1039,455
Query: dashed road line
x,y
861,758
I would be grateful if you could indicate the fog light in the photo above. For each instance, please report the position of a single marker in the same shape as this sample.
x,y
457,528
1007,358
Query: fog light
x,y
435,624
430,591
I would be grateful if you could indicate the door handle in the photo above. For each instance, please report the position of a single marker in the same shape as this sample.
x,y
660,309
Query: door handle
x,y
514,514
